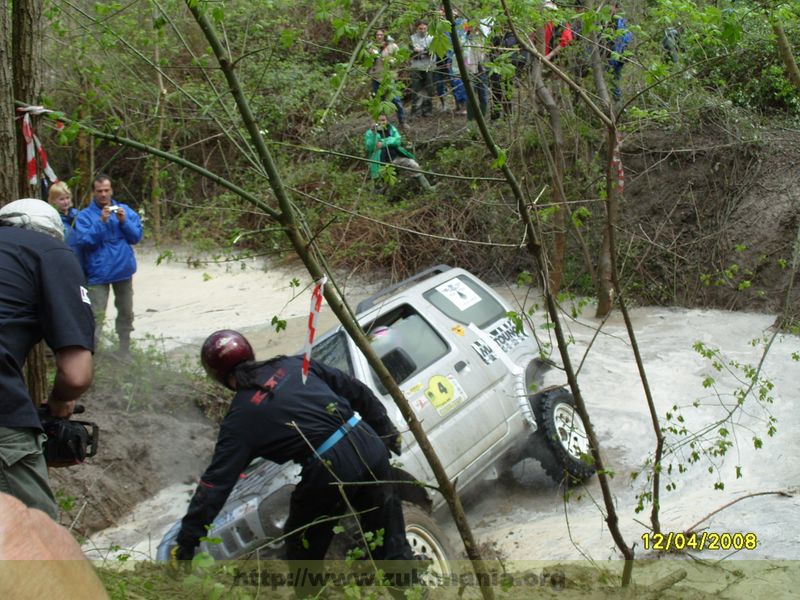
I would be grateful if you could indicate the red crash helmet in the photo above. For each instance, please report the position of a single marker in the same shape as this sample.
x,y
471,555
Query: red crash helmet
x,y
222,351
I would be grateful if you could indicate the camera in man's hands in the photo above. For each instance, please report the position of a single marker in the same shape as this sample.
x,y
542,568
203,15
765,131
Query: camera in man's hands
x,y
115,209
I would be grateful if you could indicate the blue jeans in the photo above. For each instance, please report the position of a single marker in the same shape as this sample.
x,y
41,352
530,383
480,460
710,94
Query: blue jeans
x,y
480,85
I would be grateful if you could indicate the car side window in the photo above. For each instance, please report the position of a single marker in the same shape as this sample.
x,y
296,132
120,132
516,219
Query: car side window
x,y
464,300
333,352
406,343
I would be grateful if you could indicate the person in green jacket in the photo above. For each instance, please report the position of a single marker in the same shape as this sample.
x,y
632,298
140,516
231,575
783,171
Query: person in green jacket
x,y
382,143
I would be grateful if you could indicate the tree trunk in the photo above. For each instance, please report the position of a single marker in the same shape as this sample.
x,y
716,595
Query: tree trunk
x,y
9,189
161,98
785,50
556,271
605,281
26,42
85,151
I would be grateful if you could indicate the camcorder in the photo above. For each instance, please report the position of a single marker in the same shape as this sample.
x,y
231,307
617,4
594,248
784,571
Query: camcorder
x,y
69,442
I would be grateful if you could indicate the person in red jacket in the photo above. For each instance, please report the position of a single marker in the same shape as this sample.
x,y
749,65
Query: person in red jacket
x,y
556,36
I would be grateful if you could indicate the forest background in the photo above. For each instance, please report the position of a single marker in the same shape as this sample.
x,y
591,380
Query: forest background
x,y
701,139
708,143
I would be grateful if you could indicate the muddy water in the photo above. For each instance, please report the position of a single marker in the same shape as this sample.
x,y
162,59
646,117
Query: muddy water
x,y
524,515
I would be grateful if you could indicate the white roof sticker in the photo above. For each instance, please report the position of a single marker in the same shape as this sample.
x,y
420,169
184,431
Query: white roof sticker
x,y
459,293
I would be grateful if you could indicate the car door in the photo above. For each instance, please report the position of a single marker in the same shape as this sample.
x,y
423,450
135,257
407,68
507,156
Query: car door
x,y
450,389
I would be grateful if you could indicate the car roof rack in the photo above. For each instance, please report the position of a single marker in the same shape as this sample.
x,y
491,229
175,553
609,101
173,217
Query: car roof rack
x,y
372,300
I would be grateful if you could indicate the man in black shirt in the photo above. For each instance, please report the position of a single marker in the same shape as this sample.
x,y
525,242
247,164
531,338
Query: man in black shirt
x,y
276,416
42,295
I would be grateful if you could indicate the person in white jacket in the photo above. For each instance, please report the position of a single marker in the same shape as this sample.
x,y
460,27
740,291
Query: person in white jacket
x,y
423,64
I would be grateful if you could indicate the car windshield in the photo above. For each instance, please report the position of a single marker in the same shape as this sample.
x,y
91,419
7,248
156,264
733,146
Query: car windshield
x,y
466,301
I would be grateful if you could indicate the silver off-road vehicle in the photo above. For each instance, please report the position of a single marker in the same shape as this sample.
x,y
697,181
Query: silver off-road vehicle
x,y
473,377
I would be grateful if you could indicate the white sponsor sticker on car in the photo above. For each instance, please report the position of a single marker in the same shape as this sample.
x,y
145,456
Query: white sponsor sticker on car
x,y
506,335
459,293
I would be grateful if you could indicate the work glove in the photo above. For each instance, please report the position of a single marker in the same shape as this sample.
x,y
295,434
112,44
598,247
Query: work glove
x,y
394,442
180,558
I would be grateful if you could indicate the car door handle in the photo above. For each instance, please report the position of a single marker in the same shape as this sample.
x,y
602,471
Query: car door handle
x,y
460,366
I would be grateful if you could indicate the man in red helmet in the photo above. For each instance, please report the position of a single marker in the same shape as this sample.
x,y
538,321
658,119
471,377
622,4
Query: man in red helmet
x,y
333,425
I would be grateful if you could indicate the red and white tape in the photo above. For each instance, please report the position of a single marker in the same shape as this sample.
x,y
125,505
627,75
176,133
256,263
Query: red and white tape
x,y
33,147
313,316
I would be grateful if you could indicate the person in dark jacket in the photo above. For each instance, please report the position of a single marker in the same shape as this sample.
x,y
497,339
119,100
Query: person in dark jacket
x,y
106,230
331,424
42,296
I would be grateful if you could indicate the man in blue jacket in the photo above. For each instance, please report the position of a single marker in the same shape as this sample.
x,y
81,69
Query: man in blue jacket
x,y
106,230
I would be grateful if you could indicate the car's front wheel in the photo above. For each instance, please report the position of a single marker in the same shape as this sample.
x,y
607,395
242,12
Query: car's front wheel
x,y
561,444
429,543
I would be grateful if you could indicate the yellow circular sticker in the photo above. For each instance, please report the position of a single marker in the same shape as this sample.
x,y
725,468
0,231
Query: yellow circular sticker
x,y
440,391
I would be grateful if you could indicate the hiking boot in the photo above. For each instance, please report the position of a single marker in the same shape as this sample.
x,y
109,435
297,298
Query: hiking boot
x,y
424,183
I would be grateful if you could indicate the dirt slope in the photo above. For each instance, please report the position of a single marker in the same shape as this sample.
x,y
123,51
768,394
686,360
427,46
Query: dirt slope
x,y
710,218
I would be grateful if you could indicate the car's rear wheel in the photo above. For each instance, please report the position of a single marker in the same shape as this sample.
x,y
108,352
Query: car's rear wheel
x,y
561,444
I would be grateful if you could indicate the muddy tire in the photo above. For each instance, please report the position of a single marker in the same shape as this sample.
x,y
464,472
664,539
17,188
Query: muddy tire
x,y
428,542
560,445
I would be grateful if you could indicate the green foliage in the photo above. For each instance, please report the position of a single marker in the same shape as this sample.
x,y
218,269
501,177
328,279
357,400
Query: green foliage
x,y
734,50
66,502
150,379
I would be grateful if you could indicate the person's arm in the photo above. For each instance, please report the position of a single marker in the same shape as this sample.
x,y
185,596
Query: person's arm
x,y
370,139
231,457
89,229
394,139
29,536
131,225
73,377
67,323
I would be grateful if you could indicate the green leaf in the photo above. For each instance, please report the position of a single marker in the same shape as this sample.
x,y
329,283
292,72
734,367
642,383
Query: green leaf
x,y
278,323
68,134
218,13
202,561
500,161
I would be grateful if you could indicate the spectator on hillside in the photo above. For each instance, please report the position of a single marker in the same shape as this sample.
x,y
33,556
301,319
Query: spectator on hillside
x,y
422,66
382,143
382,71
447,69
672,45
474,59
620,37
106,232
557,36
503,84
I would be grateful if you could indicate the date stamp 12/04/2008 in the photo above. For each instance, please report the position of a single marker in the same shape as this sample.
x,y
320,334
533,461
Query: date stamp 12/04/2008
x,y
706,540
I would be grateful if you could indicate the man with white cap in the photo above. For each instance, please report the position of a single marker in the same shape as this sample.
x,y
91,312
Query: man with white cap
x,y
42,295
